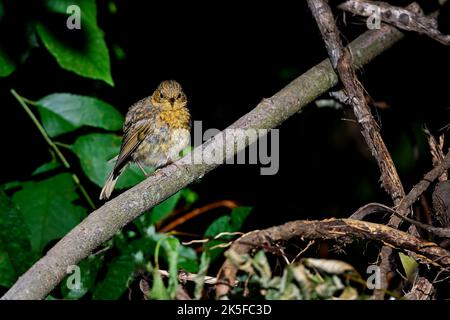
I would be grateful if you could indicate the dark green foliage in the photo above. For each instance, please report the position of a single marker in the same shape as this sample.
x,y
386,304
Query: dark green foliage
x,y
83,134
231,223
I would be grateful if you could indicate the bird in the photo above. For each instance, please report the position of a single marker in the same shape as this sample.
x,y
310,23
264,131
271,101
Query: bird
x,y
156,129
441,203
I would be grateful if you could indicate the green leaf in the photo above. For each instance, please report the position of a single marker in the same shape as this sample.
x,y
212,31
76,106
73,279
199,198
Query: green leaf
x,y
88,7
189,196
82,51
89,268
10,185
172,247
409,265
14,237
2,10
120,271
231,223
7,66
46,167
7,274
95,150
202,273
64,112
48,208
187,259
15,248
162,210
158,291
238,217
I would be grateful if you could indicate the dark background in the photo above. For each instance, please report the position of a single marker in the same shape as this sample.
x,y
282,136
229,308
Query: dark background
x,y
228,56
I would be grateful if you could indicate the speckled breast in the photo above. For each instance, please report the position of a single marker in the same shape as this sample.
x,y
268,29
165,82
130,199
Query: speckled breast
x,y
162,147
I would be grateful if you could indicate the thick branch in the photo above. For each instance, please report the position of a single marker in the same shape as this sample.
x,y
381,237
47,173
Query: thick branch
x,y
346,230
103,223
402,18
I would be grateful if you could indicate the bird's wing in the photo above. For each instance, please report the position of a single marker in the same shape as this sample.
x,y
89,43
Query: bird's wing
x,y
132,139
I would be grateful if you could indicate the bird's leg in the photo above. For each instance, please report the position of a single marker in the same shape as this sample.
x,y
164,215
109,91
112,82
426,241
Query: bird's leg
x,y
142,168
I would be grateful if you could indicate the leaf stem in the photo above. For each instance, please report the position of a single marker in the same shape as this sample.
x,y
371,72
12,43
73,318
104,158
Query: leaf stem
x,y
64,145
23,102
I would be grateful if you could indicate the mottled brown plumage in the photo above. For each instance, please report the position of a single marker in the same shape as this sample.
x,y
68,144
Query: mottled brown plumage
x,y
155,131
441,203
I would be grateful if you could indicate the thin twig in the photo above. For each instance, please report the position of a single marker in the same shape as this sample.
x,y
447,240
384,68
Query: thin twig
x,y
52,145
402,18
198,211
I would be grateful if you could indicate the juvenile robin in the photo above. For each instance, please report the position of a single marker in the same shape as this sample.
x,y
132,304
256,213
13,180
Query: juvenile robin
x,y
156,130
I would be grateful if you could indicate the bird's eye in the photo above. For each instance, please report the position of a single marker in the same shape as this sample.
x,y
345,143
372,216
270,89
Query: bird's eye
x,y
179,96
161,95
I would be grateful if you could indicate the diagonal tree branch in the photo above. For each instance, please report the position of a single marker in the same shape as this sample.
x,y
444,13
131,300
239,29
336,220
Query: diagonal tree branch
x,y
403,18
104,222
341,60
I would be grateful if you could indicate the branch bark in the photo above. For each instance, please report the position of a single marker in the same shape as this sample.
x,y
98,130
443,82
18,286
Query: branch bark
x,y
342,62
402,18
346,230
104,222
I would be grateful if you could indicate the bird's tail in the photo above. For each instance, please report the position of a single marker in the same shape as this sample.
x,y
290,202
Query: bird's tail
x,y
110,183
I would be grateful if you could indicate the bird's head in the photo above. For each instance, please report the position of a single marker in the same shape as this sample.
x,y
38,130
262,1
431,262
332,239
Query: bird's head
x,y
169,96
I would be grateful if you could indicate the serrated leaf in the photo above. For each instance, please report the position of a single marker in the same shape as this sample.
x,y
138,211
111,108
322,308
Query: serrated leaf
x,y
120,271
64,112
82,51
48,208
95,150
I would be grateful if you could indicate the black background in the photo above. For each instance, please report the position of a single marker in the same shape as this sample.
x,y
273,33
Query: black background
x,y
228,55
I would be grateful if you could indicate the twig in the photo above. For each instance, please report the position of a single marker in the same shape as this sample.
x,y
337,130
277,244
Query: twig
x,y
52,144
218,236
421,290
436,150
341,60
370,208
410,199
402,18
198,211
104,222
187,276
310,243
346,230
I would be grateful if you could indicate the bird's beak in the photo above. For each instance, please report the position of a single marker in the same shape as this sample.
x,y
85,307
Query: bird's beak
x,y
172,101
